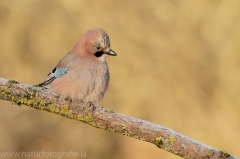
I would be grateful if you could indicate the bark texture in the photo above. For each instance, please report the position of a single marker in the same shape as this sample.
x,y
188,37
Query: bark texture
x,y
109,120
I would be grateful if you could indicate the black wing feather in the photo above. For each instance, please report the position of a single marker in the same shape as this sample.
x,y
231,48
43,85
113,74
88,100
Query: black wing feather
x,y
45,82
48,80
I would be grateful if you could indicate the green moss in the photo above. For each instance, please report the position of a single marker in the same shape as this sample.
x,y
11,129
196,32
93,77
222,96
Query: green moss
x,y
110,111
12,81
80,117
100,126
225,154
177,153
172,138
32,91
53,109
88,117
31,98
110,129
127,133
180,154
159,141
168,145
5,91
210,153
42,105
142,139
64,110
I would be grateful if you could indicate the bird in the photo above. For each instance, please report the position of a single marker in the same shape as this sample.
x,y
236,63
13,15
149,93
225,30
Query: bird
x,y
83,74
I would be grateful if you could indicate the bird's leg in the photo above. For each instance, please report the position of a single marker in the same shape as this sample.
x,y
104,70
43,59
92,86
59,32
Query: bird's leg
x,y
90,104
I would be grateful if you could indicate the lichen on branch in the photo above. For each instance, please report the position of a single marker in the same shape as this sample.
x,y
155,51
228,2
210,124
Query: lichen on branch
x,y
103,118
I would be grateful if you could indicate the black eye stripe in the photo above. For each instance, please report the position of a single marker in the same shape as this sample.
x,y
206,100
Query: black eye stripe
x,y
99,54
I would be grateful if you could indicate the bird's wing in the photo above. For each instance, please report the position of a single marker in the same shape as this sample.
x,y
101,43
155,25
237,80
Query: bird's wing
x,y
61,69
55,73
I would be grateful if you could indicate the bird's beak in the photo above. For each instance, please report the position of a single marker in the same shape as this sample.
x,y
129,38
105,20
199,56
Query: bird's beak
x,y
112,53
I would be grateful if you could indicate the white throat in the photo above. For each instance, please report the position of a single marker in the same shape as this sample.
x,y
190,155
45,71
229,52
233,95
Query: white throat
x,y
103,58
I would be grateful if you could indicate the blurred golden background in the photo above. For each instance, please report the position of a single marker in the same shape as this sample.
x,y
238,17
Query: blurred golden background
x,y
178,65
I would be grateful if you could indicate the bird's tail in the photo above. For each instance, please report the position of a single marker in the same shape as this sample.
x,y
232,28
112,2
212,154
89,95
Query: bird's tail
x,y
40,85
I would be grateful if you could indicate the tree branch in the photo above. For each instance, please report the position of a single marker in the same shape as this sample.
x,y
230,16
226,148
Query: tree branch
x,y
109,120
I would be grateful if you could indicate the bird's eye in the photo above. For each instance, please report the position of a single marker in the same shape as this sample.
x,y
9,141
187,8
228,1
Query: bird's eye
x,y
98,47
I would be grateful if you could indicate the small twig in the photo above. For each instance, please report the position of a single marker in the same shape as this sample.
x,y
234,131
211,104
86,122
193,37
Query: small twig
x,y
109,120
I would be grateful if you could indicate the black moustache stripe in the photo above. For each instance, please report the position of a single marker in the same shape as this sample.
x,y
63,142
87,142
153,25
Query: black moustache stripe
x,y
99,54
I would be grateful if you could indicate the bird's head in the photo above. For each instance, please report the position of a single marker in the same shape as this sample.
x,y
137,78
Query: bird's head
x,y
94,42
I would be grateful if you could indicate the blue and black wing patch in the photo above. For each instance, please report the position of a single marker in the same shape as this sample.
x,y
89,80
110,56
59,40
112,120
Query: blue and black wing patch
x,y
55,73
60,72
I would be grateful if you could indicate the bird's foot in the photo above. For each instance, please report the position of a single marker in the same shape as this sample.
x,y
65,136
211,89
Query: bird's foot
x,y
90,104
69,99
